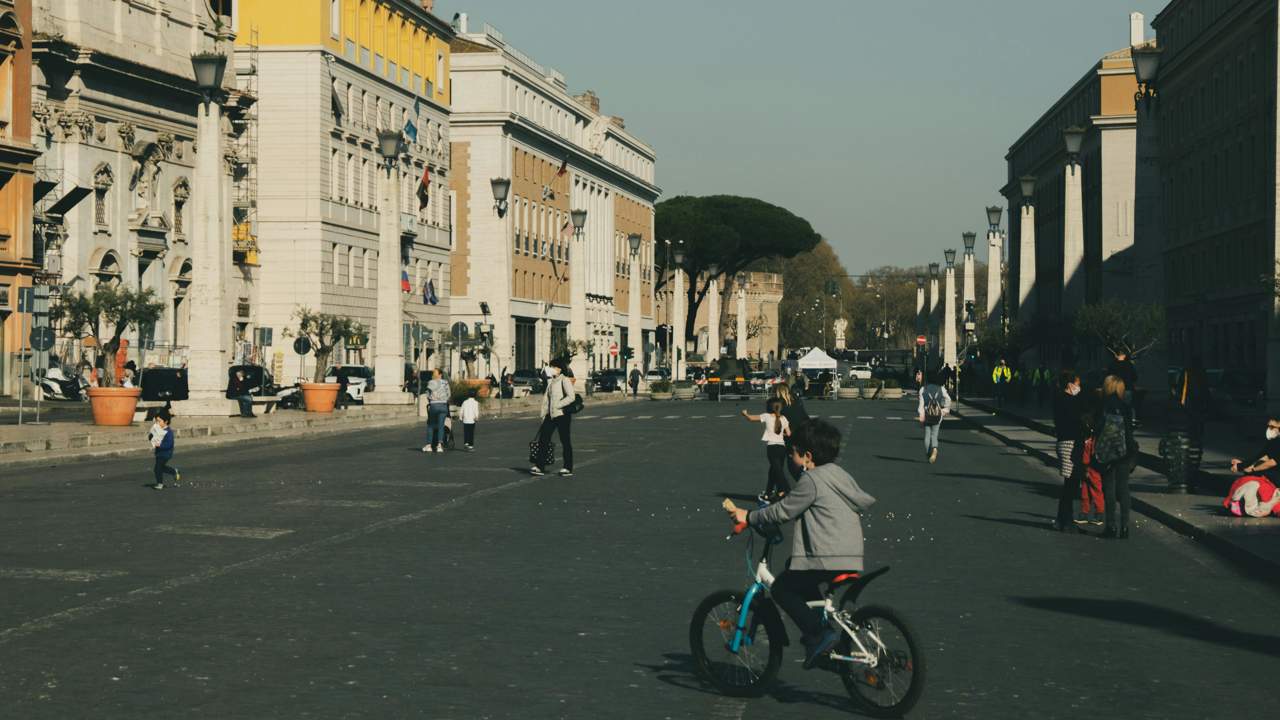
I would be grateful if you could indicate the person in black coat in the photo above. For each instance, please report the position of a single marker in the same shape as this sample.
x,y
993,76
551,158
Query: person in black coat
x,y
1115,475
1069,407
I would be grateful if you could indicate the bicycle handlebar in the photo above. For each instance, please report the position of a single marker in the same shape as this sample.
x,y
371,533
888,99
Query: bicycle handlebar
x,y
730,507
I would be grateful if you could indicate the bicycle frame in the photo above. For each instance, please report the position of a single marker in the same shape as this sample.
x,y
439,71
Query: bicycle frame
x,y
763,580
861,656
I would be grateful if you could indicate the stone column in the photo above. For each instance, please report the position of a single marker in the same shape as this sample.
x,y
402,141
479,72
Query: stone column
x,y
677,325
388,350
742,323
209,329
713,321
1026,262
920,307
932,329
995,265
1072,240
949,319
634,332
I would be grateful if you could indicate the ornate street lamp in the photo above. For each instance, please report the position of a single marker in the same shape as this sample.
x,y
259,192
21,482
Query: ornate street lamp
x,y
1074,138
634,241
969,239
679,254
209,68
1146,67
500,188
993,216
933,270
389,143
950,253
1028,183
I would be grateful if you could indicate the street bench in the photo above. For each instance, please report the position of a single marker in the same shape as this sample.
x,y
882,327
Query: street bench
x,y
267,403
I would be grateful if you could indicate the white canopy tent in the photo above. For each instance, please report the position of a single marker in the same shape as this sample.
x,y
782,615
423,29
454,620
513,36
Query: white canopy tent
x,y
817,360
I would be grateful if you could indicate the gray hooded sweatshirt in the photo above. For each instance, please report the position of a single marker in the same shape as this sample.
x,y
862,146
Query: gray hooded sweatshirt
x,y
828,535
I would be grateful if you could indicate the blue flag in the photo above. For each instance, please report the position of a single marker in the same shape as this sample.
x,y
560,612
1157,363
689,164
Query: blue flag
x,y
411,130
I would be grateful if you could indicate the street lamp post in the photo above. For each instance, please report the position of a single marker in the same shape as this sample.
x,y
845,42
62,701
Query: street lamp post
x,y
1027,249
633,303
578,293
970,296
932,329
1073,224
949,312
713,313
208,356
677,317
995,263
388,354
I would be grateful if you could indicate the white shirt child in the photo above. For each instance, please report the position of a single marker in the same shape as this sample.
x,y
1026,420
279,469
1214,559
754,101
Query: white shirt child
x,y
470,411
770,437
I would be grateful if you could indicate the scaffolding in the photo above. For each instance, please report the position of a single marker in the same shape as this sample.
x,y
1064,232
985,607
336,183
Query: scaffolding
x,y
244,231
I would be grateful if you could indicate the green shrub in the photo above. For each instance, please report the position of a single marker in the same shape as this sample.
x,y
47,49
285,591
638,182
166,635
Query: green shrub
x,y
660,386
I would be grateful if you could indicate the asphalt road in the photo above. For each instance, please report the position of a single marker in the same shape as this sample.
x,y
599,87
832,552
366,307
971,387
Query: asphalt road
x,y
354,577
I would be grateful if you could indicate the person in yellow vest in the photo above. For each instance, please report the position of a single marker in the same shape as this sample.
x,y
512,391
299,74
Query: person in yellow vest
x,y
1000,379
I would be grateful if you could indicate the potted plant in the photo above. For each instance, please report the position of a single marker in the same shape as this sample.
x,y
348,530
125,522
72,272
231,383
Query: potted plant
x,y
869,389
117,310
852,391
660,390
325,331
684,389
891,390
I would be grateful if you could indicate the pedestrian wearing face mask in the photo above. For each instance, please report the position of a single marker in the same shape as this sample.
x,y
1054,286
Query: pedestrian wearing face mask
x,y
560,395
1068,411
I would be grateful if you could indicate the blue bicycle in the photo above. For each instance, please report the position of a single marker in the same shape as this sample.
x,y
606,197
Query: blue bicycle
x,y
737,639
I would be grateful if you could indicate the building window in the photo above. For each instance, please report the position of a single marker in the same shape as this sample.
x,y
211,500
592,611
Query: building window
x,y
337,264
335,19
440,71
334,174
364,269
351,267
103,178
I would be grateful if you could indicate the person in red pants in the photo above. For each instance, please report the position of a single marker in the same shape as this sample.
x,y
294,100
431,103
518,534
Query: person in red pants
x,y
1091,504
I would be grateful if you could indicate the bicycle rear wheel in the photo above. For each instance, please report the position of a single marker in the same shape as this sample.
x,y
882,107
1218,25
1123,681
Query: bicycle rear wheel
x,y
751,670
893,686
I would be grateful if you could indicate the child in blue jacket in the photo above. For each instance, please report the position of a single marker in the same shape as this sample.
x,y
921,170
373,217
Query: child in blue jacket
x,y
161,436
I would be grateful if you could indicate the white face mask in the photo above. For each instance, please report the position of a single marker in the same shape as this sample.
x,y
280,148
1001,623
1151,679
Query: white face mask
x,y
1272,433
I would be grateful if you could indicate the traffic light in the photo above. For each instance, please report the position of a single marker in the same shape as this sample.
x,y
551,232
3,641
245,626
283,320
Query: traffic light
x,y
626,353
968,311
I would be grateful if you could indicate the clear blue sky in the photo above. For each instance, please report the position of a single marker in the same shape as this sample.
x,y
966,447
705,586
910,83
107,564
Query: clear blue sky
x,y
883,122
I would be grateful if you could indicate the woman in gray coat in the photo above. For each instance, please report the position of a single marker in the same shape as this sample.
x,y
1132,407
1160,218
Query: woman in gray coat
x,y
559,395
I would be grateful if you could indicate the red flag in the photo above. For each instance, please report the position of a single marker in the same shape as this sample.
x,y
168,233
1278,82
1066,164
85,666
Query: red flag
x,y
404,281
424,188
563,167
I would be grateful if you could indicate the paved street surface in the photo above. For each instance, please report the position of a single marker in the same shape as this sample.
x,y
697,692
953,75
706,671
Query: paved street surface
x,y
352,576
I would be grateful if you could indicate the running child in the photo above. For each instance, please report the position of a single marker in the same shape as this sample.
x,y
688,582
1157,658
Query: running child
x,y
161,436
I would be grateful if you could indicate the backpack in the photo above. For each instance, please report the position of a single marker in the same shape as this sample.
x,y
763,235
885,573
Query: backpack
x,y
933,407
1112,443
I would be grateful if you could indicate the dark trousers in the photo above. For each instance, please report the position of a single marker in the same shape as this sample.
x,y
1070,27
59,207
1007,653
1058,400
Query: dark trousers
x,y
162,467
793,588
777,455
1000,390
1071,487
468,433
635,390
246,405
1115,489
561,426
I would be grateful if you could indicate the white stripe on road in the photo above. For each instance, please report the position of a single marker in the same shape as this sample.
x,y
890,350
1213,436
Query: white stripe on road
x,y
614,417
724,416
312,502
247,533
698,417
865,417
62,575
644,417
837,417
588,417
893,418
430,484
671,417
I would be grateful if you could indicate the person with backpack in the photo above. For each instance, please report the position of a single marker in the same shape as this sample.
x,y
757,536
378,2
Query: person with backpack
x,y
934,405
557,416
1114,452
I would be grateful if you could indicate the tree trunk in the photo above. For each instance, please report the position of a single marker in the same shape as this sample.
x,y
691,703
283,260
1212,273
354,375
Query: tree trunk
x,y
322,363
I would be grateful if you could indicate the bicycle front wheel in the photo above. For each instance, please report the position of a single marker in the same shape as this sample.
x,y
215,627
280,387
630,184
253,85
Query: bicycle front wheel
x,y
747,672
893,686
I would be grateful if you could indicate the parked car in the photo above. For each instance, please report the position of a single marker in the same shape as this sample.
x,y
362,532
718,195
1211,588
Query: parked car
x,y
359,379
612,380
861,371
657,374
764,380
532,379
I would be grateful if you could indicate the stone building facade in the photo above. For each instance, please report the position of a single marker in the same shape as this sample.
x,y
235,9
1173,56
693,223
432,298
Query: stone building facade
x,y
19,259
114,108
762,298
524,270
332,75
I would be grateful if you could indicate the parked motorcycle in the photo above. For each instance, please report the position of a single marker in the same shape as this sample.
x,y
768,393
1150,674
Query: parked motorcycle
x,y
57,386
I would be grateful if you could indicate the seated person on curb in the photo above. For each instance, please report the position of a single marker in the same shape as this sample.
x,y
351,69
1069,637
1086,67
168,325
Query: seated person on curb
x,y
827,501
1255,493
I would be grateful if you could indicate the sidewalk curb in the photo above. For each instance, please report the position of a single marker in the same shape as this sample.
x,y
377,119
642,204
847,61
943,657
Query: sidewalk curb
x,y
1258,566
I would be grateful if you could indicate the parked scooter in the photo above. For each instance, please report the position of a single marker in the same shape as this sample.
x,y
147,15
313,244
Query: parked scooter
x,y
57,386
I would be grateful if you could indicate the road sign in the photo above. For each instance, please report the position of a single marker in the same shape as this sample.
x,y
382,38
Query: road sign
x,y
41,338
26,299
613,349
920,340
302,346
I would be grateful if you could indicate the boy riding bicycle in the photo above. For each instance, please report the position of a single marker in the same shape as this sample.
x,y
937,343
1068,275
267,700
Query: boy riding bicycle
x,y
828,541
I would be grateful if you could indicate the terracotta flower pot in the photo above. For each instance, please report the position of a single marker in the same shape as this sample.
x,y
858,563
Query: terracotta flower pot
x,y
113,406
319,397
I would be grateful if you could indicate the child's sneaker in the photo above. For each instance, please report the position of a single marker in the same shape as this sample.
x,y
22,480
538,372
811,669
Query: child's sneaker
x,y
1235,508
566,472
177,476
1096,519
1080,519
426,448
